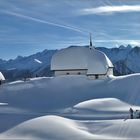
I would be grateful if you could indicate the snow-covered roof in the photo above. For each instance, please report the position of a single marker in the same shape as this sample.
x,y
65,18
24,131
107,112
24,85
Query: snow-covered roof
x,y
81,57
1,76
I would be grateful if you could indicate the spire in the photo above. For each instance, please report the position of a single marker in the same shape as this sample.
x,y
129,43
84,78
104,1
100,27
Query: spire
x,y
90,40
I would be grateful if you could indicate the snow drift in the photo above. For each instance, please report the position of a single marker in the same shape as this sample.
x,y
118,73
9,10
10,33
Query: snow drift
x,y
96,103
105,104
49,128
50,94
56,128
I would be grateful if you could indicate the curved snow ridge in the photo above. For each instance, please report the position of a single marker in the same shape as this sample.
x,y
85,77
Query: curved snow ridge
x,y
104,104
49,128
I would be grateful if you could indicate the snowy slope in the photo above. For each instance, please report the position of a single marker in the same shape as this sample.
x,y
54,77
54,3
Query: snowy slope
x,y
49,128
70,91
105,104
89,109
118,129
55,128
101,108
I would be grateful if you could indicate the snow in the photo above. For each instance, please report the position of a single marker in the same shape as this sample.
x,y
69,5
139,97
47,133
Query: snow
x,y
1,76
118,129
38,61
19,81
3,104
55,128
77,58
70,107
11,69
105,104
50,128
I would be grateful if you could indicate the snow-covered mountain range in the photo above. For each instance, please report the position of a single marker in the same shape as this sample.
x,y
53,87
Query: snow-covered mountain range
x,y
125,59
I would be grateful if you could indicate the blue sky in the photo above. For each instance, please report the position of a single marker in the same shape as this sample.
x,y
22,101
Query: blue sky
x,y
30,26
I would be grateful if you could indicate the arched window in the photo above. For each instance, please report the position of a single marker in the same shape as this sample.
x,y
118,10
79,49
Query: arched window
x,y
79,73
67,73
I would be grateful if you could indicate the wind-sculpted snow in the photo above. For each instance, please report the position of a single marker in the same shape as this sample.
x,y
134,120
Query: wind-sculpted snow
x,y
105,104
65,91
56,128
95,105
49,128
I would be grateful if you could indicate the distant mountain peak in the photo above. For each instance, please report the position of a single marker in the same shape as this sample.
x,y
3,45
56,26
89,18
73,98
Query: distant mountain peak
x,y
129,46
122,47
19,57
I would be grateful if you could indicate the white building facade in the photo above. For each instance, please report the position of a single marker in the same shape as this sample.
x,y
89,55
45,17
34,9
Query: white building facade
x,y
81,60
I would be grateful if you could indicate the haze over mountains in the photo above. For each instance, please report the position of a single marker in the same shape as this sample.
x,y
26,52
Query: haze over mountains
x,y
125,59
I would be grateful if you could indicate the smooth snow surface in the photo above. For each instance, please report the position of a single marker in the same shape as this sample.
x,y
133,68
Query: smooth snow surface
x,y
70,107
105,104
50,128
56,128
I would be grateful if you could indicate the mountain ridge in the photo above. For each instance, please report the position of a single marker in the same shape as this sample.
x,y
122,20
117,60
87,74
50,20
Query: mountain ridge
x,y
125,60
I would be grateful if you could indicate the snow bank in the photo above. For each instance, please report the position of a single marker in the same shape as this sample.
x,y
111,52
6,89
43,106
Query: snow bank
x,y
101,109
56,128
49,128
53,96
105,104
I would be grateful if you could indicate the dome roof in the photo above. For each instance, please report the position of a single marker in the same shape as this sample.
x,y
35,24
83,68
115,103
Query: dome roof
x,y
81,58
